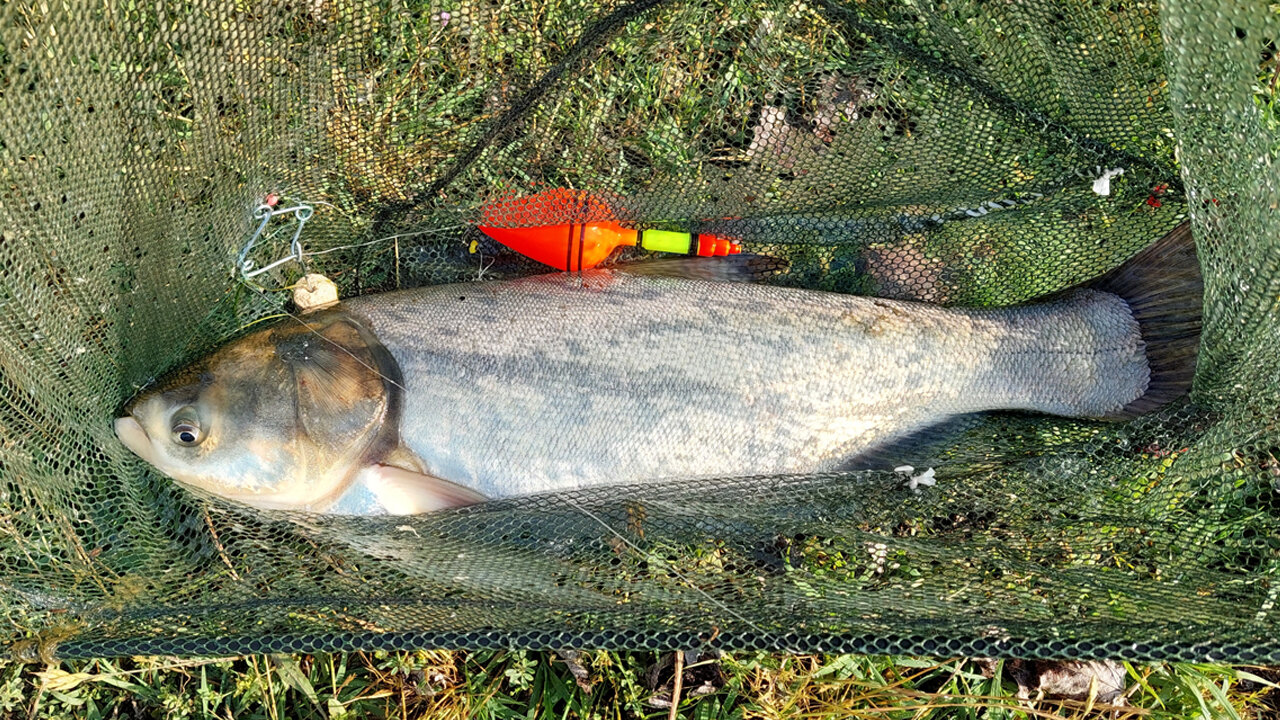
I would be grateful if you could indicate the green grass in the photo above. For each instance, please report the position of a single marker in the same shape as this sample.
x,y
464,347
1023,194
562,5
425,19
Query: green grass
x,y
485,685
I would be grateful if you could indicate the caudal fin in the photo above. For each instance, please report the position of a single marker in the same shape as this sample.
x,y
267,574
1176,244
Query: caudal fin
x,y
1164,290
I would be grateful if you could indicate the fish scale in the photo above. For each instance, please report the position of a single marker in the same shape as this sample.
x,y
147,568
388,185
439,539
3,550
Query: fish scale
x,y
563,382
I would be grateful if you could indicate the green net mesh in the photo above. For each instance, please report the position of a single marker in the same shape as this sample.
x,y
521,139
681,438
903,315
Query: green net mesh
x,y
938,151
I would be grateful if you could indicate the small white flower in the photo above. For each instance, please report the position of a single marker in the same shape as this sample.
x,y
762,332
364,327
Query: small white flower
x,y
879,554
925,478
1102,185
914,482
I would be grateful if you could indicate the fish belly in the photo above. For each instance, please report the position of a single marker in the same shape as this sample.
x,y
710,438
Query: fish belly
x,y
560,382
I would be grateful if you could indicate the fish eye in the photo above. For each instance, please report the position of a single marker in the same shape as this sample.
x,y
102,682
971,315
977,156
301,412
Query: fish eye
x,y
186,431
186,434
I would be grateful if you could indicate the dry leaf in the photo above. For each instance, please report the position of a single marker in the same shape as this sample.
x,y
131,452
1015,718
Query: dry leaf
x,y
58,680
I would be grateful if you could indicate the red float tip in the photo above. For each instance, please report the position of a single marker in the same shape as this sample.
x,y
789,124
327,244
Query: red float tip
x,y
710,245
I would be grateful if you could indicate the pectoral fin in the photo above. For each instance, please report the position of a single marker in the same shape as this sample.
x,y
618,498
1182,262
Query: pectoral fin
x,y
384,489
404,459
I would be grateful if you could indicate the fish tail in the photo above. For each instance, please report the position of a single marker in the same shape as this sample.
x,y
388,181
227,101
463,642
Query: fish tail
x,y
1164,290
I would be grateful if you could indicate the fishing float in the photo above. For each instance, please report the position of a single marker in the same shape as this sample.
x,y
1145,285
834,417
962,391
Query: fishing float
x,y
576,246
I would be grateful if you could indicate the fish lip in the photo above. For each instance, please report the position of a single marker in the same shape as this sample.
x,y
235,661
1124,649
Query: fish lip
x,y
131,434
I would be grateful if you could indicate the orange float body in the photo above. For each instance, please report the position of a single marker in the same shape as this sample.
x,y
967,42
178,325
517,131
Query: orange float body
x,y
582,245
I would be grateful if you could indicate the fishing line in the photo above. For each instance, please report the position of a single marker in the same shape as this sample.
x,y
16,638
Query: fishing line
x,y
636,548
433,231
263,212
151,380
590,40
302,212
242,276
243,265
568,500
315,332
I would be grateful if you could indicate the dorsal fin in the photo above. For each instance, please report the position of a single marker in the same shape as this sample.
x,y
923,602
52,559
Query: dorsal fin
x,y
733,268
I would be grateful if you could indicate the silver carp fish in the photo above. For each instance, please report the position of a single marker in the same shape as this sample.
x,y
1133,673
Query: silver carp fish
x,y
424,399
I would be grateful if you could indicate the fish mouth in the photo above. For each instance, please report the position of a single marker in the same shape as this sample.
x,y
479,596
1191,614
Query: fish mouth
x,y
132,436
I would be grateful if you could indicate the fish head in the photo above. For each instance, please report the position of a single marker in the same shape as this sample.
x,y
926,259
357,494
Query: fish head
x,y
281,418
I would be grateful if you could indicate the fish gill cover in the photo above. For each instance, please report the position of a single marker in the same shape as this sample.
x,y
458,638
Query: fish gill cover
x,y
959,153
